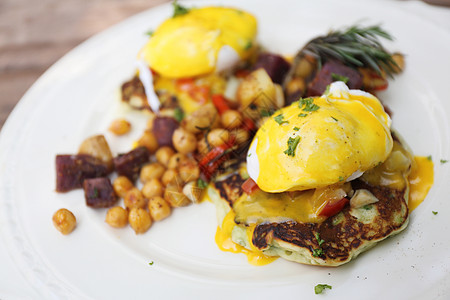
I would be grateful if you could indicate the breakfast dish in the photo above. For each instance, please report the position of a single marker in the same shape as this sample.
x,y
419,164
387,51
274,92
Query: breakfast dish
x,y
168,260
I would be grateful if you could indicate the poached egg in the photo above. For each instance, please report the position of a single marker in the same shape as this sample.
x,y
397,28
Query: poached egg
x,y
317,142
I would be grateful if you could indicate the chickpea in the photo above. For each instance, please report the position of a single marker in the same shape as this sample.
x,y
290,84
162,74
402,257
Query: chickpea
x,y
152,188
189,170
175,160
231,119
134,199
174,195
169,176
217,137
202,146
184,141
122,185
149,141
164,154
64,221
120,127
117,217
139,220
151,171
159,208
242,136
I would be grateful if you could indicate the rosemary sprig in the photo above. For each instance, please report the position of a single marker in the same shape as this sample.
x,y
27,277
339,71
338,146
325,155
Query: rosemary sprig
x,y
355,47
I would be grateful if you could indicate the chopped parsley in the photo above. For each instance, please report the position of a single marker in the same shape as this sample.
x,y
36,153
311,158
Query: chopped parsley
x,y
201,183
178,114
249,155
279,119
151,263
341,178
296,128
367,207
337,77
265,113
318,289
319,251
95,193
434,212
302,115
150,32
292,144
178,10
319,240
307,104
443,161
430,158
334,118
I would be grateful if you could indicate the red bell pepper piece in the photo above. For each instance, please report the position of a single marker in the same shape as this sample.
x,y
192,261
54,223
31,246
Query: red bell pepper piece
x,y
332,208
249,186
214,158
220,103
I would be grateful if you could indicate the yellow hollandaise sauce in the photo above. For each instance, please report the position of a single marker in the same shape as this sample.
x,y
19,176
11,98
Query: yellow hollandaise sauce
x,y
224,242
188,45
420,181
320,141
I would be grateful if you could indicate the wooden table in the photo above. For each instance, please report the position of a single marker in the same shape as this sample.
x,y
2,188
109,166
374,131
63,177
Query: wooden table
x,y
36,33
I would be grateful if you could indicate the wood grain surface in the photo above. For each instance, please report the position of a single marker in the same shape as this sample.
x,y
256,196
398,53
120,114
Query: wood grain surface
x,y
36,33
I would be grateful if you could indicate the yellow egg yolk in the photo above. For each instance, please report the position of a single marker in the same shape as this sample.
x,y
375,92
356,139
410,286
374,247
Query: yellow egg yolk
x,y
324,141
188,45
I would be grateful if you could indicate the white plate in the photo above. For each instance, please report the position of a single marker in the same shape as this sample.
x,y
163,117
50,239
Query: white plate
x,y
77,98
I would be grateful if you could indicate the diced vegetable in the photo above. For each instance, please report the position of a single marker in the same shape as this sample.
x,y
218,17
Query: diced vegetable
x,y
72,170
333,207
362,197
99,192
249,186
275,66
163,128
130,164
98,147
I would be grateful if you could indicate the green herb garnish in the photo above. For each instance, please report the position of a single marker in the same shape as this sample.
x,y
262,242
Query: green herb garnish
x,y
319,240
302,115
201,183
443,161
296,128
178,114
356,47
317,252
307,104
430,158
334,118
318,289
434,212
341,178
337,77
151,263
292,144
265,113
279,119
95,193
367,207
178,10
150,32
